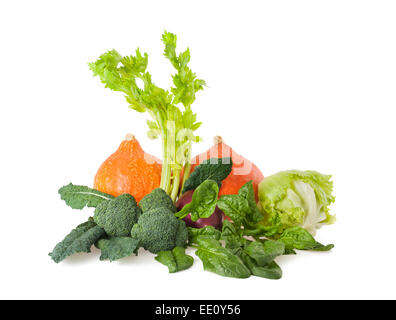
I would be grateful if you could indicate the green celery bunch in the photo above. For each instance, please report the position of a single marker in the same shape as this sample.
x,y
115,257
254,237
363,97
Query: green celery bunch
x,y
173,124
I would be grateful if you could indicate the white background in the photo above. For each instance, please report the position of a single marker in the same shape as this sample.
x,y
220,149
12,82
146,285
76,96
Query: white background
x,y
291,85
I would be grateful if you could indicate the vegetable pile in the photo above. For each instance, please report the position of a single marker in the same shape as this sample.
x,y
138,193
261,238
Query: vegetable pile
x,y
208,203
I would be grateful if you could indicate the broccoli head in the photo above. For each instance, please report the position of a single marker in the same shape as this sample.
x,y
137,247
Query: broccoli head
x,y
159,230
117,216
158,198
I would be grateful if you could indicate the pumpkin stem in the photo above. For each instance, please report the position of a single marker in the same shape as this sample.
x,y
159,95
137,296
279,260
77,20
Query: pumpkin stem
x,y
217,140
130,137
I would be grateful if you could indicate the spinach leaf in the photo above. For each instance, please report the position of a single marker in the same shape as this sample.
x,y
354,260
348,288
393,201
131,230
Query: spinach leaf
x,y
232,237
117,248
79,197
267,231
270,271
289,251
235,244
206,232
321,247
242,207
79,239
263,253
300,239
235,207
212,169
203,203
176,260
220,260
253,215
228,229
261,231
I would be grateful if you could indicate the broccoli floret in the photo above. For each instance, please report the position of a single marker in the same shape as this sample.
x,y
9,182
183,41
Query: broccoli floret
x,y
118,215
159,230
158,198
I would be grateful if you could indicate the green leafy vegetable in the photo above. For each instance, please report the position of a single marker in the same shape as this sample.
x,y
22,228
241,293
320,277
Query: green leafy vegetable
x,y
212,169
270,271
264,252
233,237
175,127
78,240
220,260
262,231
297,198
235,207
203,202
241,207
116,248
323,248
207,232
228,229
258,256
300,239
253,215
79,197
176,260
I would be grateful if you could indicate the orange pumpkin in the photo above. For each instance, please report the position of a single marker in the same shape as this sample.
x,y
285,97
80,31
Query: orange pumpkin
x,y
243,170
129,170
